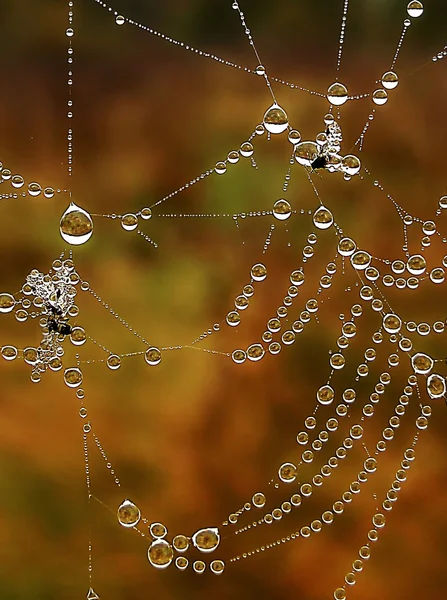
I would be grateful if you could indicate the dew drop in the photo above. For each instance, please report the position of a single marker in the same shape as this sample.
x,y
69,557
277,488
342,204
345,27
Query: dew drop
x,y
152,356
390,80
380,97
129,222
436,386
287,472
7,303
160,554
306,153
337,94
422,363
180,543
120,20
9,352
73,377
259,272
128,514
415,8
323,218
76,225
282,209
114,362
275,119
206,540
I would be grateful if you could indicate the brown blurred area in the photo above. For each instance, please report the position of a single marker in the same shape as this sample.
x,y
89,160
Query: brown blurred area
x,y
194,438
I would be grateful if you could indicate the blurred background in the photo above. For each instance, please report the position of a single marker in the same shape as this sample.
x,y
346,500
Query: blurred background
x,y
194,438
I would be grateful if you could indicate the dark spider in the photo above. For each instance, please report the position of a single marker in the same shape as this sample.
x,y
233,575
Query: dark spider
x,y
319,163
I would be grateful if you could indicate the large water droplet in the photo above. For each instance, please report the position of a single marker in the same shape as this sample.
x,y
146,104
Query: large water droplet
x,y
76,226
128,514
275,119
306,153
325,395
416,264
337,94
7,303
390,80
422,363
361,260
73,377
9,352
323,218
282,209
287,472
351,164
206,540
415,8
152,356
436,386
380,97
160,554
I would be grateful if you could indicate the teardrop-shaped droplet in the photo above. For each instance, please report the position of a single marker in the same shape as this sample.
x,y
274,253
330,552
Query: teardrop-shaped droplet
x,y
337,94
76,225
206,540
275,119
7,303
160,554
306,153
323,218
128,514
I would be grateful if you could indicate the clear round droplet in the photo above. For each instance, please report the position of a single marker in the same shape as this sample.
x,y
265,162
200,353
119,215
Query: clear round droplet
x,y
128,514
78,337
129,222
390,80
160,554
206,540
9,352
415,8
76,225
120,20
7,303
73,377
323,218
380,97
351,164
255,352
361,260
337,94
114,362
422,363
306,153
275,119
282,209
152,356
259,272
287,472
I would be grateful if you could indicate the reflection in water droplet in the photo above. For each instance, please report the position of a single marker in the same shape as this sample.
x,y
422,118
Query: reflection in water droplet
x,y
275,119
7,303
323,218
160,554
152,356
337,94
259,272
390,80
120,20
73,377
114,362
306,153
128,514
9,352
380,97
129,222
282,209
415,8
206,540
76,225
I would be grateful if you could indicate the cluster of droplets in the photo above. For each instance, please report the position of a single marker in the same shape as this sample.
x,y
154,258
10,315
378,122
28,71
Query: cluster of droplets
x,y
162,552
324,152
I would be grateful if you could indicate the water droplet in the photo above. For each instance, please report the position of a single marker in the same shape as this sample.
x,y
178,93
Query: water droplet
x,y
239,356
306,153
275,119
351,164
92,595
380,97
152,356
392,323
76,225
390,80
9,352
180,543
146,213
436,386
181,562
361,260
325,395
246,149
7,303
258,500
415,8
158,530
69,32
255,352
221,168
17,181
160,554
346,246
34,189
294,136
217,567
73,377
78,336
259,272
120,20
422,363
260,70
199,566
206,540
129,222
282,209
128,514
416,264
114,362
337,94
287,472
323,218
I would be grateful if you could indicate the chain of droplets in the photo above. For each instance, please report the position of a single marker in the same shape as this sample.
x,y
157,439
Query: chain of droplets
x,y
70,33
440,55
406,25
379,519
342,33
120,19
260,69
17,181
327,517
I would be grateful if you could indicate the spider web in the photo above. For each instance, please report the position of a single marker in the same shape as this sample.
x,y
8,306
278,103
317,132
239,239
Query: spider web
x,y
197,436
